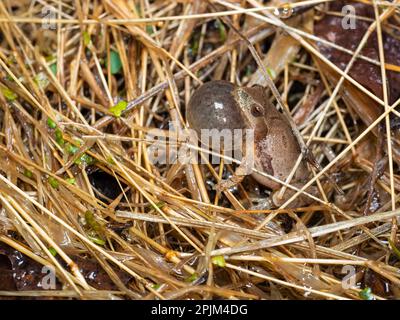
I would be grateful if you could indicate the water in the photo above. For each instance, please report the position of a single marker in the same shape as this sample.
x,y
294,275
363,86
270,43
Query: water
x,y
284,11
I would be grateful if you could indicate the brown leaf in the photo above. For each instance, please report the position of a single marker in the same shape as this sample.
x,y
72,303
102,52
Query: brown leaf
x,y
369,75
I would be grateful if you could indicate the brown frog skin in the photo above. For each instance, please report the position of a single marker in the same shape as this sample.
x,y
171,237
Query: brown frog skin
x,y
223,105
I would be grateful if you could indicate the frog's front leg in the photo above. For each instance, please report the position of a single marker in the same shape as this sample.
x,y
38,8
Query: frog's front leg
x,y
244,169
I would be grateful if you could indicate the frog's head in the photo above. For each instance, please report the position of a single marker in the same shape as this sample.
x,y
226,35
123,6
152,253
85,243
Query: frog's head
x,y
253,103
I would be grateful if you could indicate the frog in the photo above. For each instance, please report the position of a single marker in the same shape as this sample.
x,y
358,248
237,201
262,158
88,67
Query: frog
x,y
222,105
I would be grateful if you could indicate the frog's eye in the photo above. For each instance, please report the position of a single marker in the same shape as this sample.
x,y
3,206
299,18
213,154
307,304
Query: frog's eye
x,y
256,110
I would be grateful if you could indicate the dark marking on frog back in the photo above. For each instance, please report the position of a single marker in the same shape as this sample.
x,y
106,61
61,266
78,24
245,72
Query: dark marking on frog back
x,y
263,157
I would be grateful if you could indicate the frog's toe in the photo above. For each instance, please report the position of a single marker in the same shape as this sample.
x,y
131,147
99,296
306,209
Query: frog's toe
x,y
224,185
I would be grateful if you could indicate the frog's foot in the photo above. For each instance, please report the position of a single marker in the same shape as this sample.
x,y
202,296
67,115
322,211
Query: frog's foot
x,y
262,204
302,200
224,185
240,172
243,170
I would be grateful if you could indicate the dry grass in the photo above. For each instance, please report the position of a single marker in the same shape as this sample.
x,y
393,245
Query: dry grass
x,y
166,227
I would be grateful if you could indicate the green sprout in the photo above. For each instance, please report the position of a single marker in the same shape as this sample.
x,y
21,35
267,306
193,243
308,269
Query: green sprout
x,y
91,221
219,261
53,251
85,160
8,94
51,123
59,137
96,240
396,251
86,38
53,182
193,277
71,149
28,173
159,205
221,30
110,160
115,62
71,180
53,68
366,294
149,30
271,72
156,286
118,108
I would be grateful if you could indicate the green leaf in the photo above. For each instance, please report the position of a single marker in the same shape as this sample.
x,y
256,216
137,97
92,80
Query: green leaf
x,y
366,294
28,173
53,182
91,221
86,38
222,31
85,159
159,205
396,251
88,160
115,62
51,124
53,251
58,133
59,137
219,261
110,160
50,57
78,142
192,277
149,30
271,73
118,108
195,47
195,44
156,286
138,10
71,180
96,240
71,149
9,94
53,68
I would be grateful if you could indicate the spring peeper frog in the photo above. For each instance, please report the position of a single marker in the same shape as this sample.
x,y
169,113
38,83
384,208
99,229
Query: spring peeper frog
x,y
222,105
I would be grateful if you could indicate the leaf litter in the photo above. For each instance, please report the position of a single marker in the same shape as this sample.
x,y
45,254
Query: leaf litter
x,y
78,192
